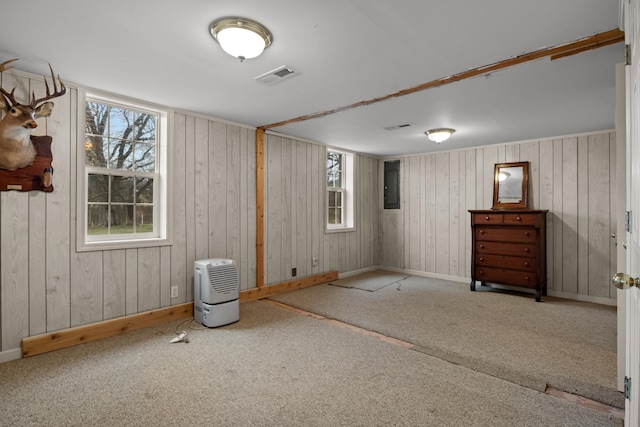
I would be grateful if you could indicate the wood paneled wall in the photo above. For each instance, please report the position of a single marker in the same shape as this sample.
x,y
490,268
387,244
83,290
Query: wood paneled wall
x,y
573,177
295,206
45,285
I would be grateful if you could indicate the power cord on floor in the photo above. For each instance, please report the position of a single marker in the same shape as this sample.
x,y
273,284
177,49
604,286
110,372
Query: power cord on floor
x,y
181,336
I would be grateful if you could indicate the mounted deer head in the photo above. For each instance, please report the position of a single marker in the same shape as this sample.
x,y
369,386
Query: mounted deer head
x,y
16,149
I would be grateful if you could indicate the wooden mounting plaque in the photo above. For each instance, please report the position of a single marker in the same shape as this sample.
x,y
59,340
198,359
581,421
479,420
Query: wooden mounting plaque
x,y
31,178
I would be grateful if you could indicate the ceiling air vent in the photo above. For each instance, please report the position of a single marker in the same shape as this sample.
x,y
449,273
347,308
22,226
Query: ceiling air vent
x,y
275,76
399,126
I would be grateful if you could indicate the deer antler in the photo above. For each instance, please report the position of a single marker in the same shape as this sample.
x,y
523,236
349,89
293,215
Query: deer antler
x,y
9,96
3,66
55,94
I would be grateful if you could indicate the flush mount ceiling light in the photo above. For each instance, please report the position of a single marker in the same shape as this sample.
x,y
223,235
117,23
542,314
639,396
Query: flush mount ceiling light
x,y
241,37
503,175
439,135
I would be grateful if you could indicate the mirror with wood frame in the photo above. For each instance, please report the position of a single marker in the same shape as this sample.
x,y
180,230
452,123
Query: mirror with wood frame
x,y
510,183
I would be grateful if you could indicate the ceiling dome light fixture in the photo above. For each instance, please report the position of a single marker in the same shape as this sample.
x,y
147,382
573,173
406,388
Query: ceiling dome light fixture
x,y
241,37
439,135
503,175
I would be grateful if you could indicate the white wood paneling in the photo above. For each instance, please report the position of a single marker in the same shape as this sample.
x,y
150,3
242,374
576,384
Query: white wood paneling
x,y
61,127
15,249
557,205
37,246
164,268
190,201
583,215
201,187
15,268
216,190
571,177
148,278
249,280
300,205
546,202
569,194
295,197
179,250
470,200
413,207
442,216
86,288
599,216
273,172
131,281
430,224
114,282
232,192
285,213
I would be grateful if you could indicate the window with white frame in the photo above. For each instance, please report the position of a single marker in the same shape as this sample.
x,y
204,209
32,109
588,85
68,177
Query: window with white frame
x,y
340,205
123,196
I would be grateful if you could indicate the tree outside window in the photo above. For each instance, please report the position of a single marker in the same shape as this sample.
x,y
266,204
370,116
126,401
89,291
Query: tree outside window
x,y
122,169
335,189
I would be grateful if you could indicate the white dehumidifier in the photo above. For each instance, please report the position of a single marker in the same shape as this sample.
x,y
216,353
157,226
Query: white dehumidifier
x,y
216,292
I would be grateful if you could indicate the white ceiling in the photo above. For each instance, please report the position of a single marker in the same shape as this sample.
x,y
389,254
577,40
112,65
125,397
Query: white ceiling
x,y
344,51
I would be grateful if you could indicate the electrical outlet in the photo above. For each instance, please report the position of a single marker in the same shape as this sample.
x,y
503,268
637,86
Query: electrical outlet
x,y
174,292
314,262
294,272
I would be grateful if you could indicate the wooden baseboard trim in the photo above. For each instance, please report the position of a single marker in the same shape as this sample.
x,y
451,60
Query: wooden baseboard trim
x,y
43,343
290,285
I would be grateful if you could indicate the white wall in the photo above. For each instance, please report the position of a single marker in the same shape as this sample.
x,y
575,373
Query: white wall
x,y
573,177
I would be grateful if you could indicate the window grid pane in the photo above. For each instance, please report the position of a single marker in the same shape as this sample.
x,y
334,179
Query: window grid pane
x,y
334,169
120,138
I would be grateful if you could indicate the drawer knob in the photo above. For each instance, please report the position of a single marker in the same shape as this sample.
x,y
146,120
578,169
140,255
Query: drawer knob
x,y
526,249
526,278
518,218
481,259
481,246
481,272
487,218
526,233
526,263
481,231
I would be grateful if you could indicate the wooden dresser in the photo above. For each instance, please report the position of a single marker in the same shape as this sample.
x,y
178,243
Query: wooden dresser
x,y
509,248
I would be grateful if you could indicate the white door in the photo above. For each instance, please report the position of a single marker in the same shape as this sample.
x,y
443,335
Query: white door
x,y
632,306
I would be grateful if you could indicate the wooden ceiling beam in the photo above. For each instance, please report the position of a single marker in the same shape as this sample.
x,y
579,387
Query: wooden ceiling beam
x,y
555,52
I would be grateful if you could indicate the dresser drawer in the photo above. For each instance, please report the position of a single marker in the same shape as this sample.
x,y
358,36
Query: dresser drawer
x,y
501,248
502,261
520,218
511,234
488,218
506,277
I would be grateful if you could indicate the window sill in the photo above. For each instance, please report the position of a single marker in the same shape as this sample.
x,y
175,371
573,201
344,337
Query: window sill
x,y
328,230
122,244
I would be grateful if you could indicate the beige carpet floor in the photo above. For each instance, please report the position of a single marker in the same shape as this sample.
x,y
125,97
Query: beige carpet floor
x,y
272,368
565,344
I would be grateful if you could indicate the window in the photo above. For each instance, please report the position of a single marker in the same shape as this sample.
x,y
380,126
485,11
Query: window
x,y
124,185
340,205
